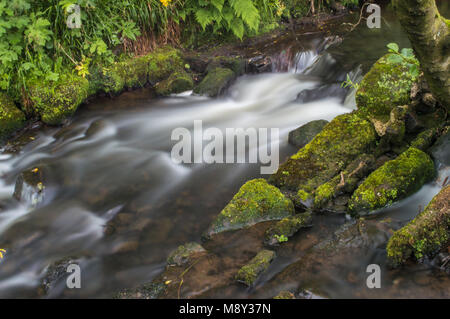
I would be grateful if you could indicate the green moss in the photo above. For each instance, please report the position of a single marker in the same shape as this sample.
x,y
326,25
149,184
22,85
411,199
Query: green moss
x,y
177,82
162,62
425,235
339,143
184,253
324,193
287,227
250,272
386,85
11,118
56,101
236,64
256,201
215,82
425,139
133,72
393,181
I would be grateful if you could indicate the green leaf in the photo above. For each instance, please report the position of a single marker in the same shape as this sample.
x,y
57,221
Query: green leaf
x,y
393,47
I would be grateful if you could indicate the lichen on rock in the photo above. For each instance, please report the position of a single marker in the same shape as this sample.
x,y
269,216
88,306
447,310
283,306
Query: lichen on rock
x,y
11,118
425,235
256,201
393,181
250,272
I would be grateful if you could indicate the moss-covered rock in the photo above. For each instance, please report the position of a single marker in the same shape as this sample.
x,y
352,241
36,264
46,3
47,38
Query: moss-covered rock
x,y
215,82
425,235
236,64
305,133
386,85
341,141
256,201
184,254
133,72
392,131
393,181
11,118
250,272
345,182
162,62
425,139
179,81
286,228
56,101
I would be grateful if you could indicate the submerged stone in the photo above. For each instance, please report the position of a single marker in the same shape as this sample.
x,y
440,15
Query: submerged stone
x,y
286,228
305,133
250,272
215,82
385,86
441,149
11,118
424,236
184,254
285,295
341,141
30,187
256,201
56,101
393,181
178,82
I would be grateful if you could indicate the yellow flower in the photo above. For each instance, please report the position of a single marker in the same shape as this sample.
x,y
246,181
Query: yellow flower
x,y
2,251
165,2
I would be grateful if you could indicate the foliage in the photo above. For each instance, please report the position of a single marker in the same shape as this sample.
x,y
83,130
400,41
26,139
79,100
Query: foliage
x,y
405,57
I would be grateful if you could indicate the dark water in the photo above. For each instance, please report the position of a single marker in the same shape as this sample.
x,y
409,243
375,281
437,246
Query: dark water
x,y
116,202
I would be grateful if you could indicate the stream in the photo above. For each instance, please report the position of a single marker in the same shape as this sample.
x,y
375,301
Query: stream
x,y
116,202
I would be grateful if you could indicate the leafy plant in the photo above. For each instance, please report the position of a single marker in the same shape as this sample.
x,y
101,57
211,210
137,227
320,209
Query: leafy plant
x,y
405,56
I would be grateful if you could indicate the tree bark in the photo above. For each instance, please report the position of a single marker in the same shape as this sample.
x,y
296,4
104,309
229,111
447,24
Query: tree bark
x,y
429,34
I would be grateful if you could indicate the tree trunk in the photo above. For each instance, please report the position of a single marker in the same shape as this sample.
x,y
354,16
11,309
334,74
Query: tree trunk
x,y
429,34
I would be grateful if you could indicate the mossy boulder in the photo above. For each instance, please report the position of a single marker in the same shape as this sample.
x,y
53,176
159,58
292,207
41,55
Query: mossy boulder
x,y
393,181
425,139
184,254
305,133
215,82
340,142
162,63
11,118
256,201
236,64
133,71
250,272
424,236
56,101
178,82
287,227
385,86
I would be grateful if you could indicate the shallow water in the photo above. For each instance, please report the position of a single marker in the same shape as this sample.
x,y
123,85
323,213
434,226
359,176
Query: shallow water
x,y
116,202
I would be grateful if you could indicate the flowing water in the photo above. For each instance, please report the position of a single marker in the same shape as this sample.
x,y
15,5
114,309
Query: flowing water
x,y
115,201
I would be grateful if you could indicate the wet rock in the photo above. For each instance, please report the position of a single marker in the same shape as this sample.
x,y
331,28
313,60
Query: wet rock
x,y
305,133
260,64
286,228
55,273
250,272
185,253
424,236
393,181
393,131
441,149
256,201
215,82
285,295
11,118
340,142
30,186
385,86
178,82
145,291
